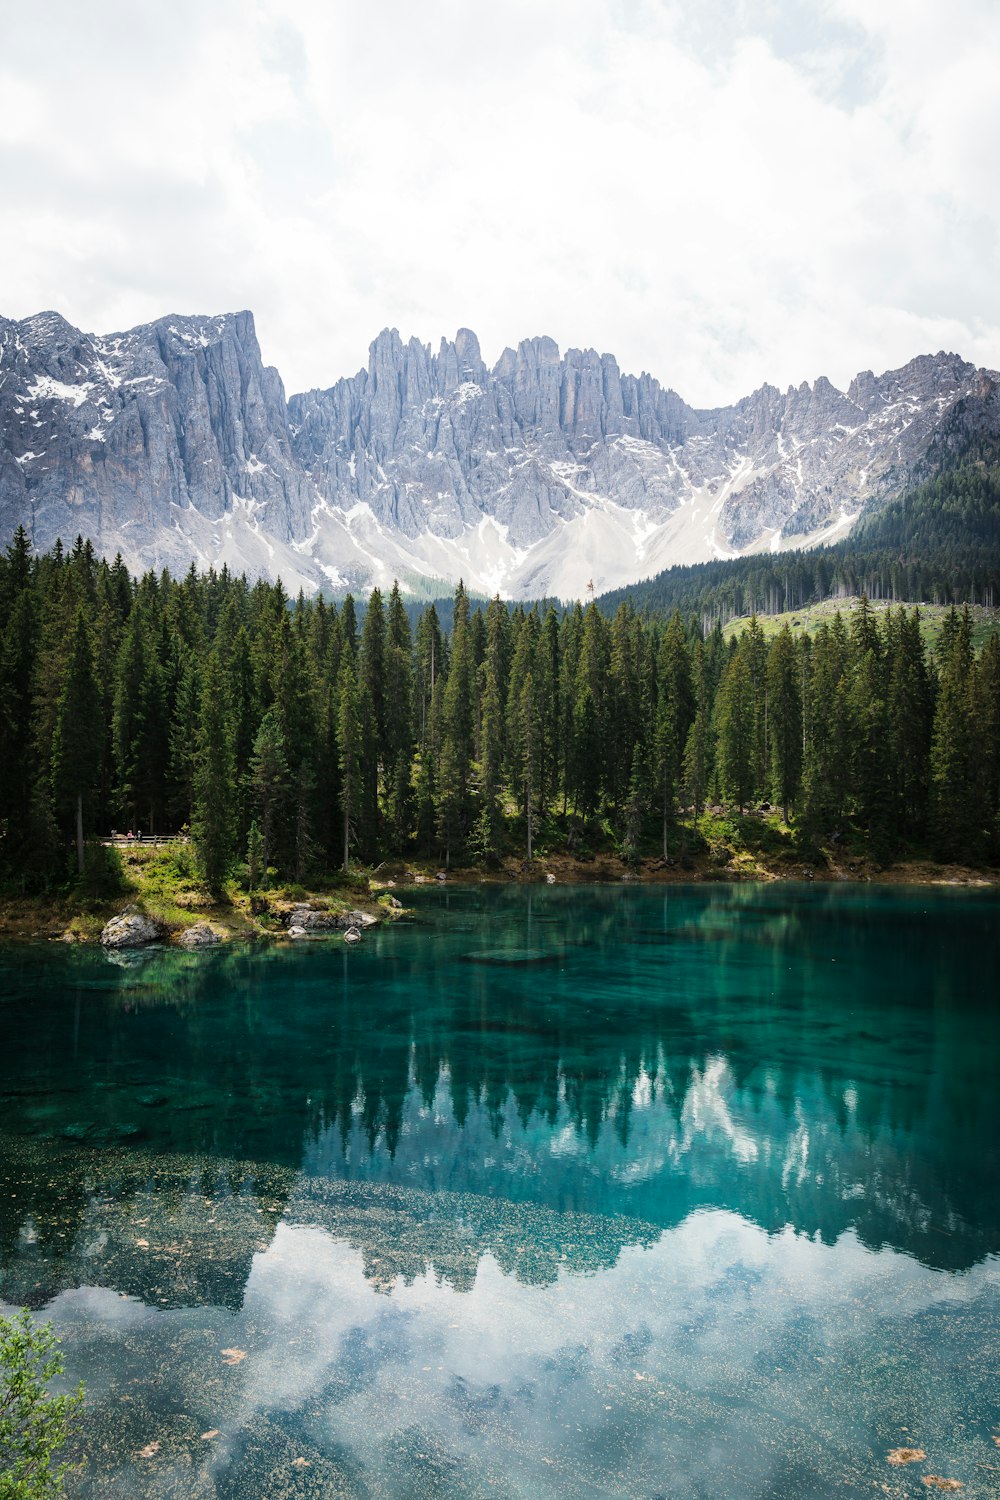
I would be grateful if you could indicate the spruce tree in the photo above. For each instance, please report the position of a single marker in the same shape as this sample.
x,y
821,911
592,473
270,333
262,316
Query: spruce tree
x,y
349,745
784,717
76,743
674,715
19,647
212,813
955,810
736,727
269,780
529,742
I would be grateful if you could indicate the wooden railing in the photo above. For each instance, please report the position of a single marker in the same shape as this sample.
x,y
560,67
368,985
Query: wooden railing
x,y
117,840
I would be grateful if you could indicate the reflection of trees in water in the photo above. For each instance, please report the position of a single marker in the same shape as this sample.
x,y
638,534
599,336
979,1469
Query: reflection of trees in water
x,y
175,1235
668,1083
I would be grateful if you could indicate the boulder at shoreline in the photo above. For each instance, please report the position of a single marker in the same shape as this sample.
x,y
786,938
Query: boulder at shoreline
x,y
131,929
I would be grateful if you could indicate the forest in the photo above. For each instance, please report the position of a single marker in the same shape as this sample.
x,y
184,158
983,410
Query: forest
x,y
938,541
302,736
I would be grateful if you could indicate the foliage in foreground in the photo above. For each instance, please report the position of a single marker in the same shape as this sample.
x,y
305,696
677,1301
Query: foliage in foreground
x,y
34,1424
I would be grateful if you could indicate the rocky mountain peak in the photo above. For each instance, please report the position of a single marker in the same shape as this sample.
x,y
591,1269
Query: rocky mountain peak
x,y
173,441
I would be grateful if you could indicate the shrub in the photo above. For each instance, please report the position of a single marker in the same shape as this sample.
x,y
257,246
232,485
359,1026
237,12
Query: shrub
x,y
34,1424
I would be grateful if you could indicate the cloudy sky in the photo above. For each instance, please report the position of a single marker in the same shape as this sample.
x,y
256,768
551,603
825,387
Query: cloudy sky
x,y
719,191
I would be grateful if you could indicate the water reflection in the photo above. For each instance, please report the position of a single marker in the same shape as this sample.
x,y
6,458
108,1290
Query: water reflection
x,y
825,1060
712,1358
577,1192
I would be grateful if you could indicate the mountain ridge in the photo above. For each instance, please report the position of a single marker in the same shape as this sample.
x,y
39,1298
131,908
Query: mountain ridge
x,y
173,442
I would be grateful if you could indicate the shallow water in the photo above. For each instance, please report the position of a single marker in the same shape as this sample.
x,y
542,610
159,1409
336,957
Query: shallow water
x,y
549,1192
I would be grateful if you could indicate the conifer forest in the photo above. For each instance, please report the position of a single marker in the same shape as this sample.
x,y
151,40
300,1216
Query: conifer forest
x,y
302,736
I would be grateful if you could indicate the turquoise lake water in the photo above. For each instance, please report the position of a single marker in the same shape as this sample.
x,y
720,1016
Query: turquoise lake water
x,y
574,1191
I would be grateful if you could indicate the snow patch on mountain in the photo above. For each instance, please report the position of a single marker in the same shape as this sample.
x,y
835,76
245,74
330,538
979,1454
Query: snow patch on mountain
x,y
546,474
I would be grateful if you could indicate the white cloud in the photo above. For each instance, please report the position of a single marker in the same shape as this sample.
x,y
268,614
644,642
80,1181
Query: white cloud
x,y
721,195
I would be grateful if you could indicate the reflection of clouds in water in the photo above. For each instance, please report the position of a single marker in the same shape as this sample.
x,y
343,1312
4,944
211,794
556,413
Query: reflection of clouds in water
x,y
727,1360
693,1328
706,1112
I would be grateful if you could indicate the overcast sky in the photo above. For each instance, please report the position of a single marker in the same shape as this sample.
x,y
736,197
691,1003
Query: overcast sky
x,y
721,192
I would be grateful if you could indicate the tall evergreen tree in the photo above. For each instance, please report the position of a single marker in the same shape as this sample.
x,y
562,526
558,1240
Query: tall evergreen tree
x,y
76,744
736,726
269,779
784,714
955,810
349,739
675,711
457,725
212,814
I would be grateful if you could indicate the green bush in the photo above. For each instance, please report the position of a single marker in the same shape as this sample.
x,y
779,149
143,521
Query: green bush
x,y
103,871
34,1424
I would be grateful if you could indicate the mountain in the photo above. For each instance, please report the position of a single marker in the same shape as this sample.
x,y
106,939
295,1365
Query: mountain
x,y
174,443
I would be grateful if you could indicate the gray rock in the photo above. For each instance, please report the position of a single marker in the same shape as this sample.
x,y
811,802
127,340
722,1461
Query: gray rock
x,y
352,935
173,442
201,935
313,919
132,929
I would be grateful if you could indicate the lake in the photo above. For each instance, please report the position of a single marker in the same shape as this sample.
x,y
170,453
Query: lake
x,y
639,1191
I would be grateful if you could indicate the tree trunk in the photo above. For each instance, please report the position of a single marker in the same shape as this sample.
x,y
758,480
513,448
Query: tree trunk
x,y
527,809
79,832
664,819
347,855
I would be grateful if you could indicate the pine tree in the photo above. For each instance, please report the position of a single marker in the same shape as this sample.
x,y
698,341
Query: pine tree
x,y
255,857
140,723
784,717
585,770
399,721
19,646
490,766
827,761
349,742
635,811
736,727
529,742
869,743
674,716
76,743
269,779
910,719
376,754
457,739
184,739
212,820
987,718
955,810
349,626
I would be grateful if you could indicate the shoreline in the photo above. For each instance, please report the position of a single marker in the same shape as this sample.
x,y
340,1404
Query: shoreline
x,y
69,919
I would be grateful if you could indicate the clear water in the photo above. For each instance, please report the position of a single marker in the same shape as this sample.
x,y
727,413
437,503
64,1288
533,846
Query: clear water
x,y
576,1192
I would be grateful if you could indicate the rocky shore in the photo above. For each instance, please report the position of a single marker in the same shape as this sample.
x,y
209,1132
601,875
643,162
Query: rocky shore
x,y
195,922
